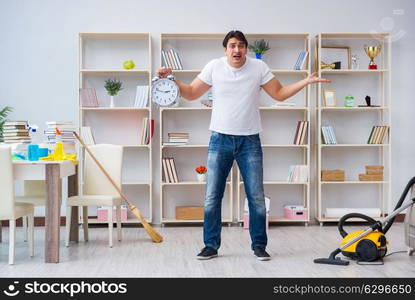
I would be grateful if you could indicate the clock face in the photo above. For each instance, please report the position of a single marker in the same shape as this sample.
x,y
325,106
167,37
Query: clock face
x,y
165,92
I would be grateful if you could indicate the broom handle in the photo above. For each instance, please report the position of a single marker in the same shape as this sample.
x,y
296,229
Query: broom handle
x,y
103,170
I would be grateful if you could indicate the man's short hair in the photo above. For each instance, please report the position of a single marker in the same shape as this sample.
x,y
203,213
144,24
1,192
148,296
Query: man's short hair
x,y
234,34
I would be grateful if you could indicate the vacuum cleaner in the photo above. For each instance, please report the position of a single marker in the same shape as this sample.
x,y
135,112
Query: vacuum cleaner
x,y
367,245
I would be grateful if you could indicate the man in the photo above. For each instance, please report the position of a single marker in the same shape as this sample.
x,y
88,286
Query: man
x,y
236,81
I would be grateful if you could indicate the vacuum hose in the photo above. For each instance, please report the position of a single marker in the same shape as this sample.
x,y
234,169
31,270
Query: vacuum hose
x,y
376,225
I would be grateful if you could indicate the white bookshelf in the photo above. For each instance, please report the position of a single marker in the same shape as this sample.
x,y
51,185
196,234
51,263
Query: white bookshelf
x,y
101,56
279,127
352,126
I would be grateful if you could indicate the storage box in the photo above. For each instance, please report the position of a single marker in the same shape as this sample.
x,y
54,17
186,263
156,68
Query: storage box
x,y
374,170
102,214
246,221
295,212
189,212
332,175
371,177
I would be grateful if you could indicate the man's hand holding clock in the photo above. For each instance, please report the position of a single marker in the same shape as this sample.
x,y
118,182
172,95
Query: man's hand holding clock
x,y
165,91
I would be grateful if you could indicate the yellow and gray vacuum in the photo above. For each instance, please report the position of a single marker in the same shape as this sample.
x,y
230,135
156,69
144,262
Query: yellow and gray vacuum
x,y
369,245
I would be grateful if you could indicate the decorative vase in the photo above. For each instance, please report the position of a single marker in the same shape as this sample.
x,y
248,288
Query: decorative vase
x,y
201,177
112,101
258,55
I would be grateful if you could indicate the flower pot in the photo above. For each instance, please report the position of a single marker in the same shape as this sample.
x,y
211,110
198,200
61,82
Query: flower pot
x,y
258,55
112,101
201,177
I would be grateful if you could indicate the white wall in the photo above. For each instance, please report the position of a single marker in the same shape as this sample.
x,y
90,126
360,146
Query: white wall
x,y
39,62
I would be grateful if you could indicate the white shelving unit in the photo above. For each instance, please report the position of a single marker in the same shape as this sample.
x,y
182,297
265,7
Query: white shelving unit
x,y
195,50
352,126
101,56
279,126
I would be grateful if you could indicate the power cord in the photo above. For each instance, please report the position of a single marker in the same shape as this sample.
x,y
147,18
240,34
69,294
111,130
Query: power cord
x,y
379,262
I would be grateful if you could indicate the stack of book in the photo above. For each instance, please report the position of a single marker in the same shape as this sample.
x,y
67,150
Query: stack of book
x,y
88,97
16,132
171,59
66,128
141,96
378,134
301,62
169,170
301,133
298,173
147,131
177,139
328,136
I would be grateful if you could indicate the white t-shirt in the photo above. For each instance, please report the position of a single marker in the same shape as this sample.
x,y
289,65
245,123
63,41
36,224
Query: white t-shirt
x,y
235,92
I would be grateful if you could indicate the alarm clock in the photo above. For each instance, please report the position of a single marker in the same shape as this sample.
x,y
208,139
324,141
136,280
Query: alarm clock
x,y
165,91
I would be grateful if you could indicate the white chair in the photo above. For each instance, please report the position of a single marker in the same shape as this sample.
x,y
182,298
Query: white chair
x,y
34,193
9,209
97,189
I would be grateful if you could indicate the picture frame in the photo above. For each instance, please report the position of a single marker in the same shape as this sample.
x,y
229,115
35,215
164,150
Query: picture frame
x,y
329,98
331,54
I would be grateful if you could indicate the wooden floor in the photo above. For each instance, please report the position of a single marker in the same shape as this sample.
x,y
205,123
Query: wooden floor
x,y
293,249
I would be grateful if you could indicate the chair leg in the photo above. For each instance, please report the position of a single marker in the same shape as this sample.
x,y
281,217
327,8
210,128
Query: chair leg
x,y
24,224
85,222
110,224
118,213
31,233
12,239
68,224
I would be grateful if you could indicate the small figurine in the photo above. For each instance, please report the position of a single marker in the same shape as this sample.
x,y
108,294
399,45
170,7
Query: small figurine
x,y
355,62
367,98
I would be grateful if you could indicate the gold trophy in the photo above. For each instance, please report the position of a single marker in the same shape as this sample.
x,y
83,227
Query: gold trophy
x,y
372,52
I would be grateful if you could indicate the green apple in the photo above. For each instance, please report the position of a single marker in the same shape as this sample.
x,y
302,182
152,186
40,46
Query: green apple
x,y
128,64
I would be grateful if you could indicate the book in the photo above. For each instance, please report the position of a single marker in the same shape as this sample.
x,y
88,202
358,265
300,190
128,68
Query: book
x,y
304,133
178,59
300,60
164,59
303,62
15,123
166,174
175,62
88,97
173,167
86,135
296,132
141,96
169,170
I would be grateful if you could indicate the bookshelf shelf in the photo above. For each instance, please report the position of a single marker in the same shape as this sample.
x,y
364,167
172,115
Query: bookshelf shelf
x,y
355,145
187,183
116,108
353,71
353,108
351,156
101,56
120,71
284,108
281,183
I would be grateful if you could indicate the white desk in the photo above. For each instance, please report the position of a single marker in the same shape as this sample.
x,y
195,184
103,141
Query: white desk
x,y
52,172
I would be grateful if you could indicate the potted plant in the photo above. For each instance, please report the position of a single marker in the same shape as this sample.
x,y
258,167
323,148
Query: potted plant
x,y
113,86
3,115
201,173
259,47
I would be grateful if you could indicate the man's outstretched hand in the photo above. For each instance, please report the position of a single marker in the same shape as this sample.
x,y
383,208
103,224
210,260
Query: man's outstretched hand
x,y
313,78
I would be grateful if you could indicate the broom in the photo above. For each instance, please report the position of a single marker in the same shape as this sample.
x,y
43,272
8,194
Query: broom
x,y
155,236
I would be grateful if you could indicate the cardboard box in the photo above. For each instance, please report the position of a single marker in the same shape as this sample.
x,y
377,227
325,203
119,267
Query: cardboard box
x,y
189,212
332,175
295,212
102,214
371,177
246,221
374,170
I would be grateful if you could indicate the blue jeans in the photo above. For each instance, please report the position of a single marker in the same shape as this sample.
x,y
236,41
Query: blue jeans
x,y
247,152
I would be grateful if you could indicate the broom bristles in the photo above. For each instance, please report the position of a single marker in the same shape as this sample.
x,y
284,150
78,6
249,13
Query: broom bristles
x,y
155,236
